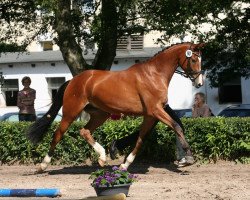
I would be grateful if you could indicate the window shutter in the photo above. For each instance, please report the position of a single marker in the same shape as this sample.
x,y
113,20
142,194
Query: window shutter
x,y
133,42
136,42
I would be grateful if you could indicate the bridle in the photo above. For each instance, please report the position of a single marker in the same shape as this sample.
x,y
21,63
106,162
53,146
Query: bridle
x,y
189,73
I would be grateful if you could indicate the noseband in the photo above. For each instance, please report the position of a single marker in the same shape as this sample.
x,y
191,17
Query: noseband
x,y
189,73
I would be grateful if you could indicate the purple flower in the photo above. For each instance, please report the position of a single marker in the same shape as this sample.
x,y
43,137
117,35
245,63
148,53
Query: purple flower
x,y
112,177
117,175
115,168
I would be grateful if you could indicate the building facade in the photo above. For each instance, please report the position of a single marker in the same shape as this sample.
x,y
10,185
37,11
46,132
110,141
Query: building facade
x,y
47,70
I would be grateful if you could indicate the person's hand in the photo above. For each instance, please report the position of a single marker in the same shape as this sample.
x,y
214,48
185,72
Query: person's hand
x,y
196,102
20,106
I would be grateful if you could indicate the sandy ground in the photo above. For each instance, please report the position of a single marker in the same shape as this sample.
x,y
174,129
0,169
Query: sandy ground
x,y
221,181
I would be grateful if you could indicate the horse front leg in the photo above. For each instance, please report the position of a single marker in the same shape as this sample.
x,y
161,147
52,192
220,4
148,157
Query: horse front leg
x,y
168,120
179,132
148,123
187,158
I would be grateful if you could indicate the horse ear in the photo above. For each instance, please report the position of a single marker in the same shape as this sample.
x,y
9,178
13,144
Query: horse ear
x,y
199,46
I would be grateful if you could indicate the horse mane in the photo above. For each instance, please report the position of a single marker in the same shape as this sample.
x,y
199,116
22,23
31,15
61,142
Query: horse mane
x,y
164,49
172,45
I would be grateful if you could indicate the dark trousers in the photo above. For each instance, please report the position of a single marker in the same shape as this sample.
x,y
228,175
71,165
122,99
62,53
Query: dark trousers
x,y
130,140
27,117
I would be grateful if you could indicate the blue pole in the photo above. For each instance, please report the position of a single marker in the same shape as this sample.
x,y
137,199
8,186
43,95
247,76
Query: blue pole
x,y
30,192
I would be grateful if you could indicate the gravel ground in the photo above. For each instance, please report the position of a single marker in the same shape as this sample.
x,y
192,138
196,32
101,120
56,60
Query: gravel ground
x,y
220,181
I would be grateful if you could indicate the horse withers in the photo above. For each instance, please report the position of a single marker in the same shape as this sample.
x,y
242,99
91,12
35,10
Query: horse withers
x,y
140,90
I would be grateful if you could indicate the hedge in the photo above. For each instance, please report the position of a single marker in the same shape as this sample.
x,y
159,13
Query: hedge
x,y
211,139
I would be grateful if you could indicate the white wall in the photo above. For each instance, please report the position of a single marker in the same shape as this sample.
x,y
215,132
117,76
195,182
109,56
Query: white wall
x,y
245,90
38,77
181,92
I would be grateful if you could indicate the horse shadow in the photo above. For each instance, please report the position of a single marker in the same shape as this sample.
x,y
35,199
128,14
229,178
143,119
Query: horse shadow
x,y
135,168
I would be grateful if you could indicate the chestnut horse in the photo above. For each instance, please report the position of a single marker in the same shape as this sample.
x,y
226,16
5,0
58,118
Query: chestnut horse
x,y
140,90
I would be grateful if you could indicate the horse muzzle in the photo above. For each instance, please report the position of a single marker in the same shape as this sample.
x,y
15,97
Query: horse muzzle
x,y
198,85
198,82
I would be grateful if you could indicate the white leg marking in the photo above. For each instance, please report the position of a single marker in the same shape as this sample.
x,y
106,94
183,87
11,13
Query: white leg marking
x,y
46,161
129,160
100,150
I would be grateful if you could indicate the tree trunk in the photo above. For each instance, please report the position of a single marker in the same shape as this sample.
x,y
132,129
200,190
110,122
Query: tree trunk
x,y
71,50
108,42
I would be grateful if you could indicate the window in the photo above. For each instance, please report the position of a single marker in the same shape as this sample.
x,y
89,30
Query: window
x,y
122,43
10,89
136,42
230,92
54,84
132,42
47,45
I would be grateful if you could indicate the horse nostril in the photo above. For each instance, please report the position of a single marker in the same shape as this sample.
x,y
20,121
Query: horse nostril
x,y
200,84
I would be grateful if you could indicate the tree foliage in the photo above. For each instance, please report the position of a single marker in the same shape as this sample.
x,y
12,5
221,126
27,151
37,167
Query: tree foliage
x,y
227,53
103,21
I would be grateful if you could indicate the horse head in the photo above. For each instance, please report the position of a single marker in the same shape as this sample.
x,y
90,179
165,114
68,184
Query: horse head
x,y
190,62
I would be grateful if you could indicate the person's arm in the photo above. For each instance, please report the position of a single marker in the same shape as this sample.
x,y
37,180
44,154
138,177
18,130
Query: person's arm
x,y
30,98
19,101
194,111
206,112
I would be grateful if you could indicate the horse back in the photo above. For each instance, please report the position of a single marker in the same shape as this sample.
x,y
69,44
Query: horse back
x,y
111,91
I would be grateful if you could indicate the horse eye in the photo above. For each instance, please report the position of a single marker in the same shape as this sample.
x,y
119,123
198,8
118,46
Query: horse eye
x,y
193,60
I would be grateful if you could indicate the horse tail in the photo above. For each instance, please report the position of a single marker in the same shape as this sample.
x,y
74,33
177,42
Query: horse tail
x,y
39,128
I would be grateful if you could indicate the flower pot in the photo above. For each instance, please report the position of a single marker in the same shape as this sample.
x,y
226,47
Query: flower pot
x,y
104,190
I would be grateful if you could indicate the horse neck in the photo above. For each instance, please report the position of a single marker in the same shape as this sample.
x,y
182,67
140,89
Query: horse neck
x,y
166,63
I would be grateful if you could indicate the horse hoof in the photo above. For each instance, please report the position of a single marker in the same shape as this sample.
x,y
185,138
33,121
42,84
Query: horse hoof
x,y
101,162
39,170
123,167
190,160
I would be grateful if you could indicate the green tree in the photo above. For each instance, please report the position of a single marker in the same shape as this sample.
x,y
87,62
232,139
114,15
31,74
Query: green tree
x,y
227,53
104,21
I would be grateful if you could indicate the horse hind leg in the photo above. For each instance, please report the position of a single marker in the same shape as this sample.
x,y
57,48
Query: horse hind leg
x,y
64,124
147,125
69,115
97,118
